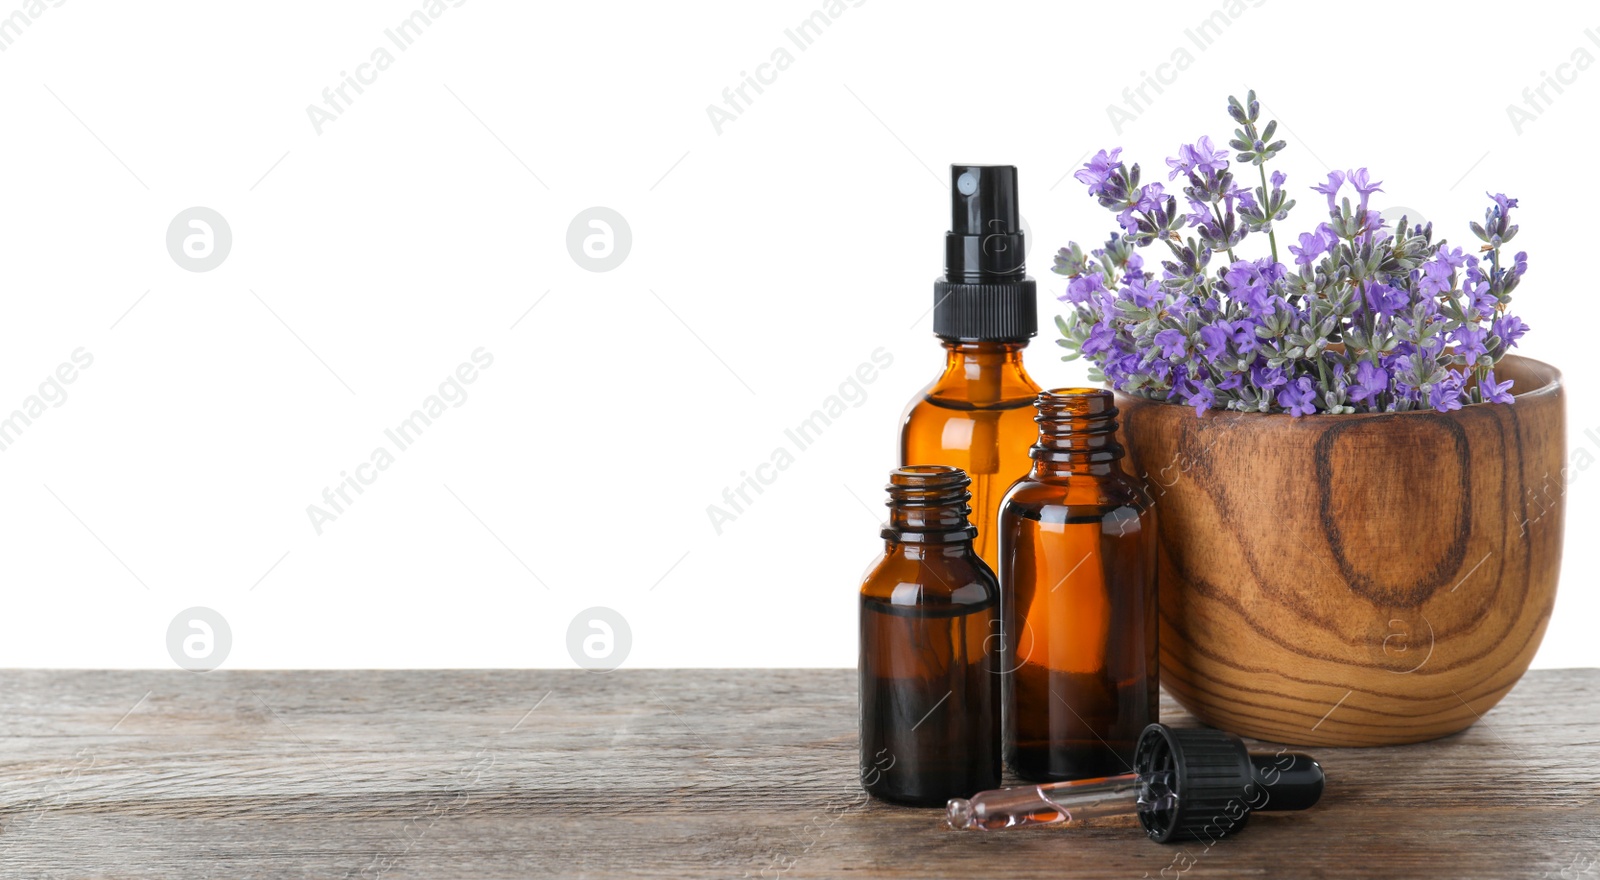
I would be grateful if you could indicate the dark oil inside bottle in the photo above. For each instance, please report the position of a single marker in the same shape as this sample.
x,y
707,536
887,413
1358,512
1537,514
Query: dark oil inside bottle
x,y
930,627
929,702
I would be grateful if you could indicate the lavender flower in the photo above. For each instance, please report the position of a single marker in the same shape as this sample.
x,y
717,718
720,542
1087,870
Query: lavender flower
x,y
1244,336
1371,382
1082,288
1469,339
1097,171
1214,339
1331,188
1359,179
1201,157
1201,398
1365,319
1173,344
1267,378
1445,395
1299,399
1494,392
1312,245
1509,328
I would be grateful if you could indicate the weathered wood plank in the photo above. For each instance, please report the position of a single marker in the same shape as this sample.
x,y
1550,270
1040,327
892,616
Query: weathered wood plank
x,y
699,773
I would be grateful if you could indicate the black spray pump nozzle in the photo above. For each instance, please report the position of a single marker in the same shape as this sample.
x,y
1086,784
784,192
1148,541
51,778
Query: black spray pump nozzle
x,y
985,294
1186,784
985,240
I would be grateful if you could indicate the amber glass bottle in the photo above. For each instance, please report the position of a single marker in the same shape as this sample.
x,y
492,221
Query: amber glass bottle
x,y
1078,598
930,695
978,414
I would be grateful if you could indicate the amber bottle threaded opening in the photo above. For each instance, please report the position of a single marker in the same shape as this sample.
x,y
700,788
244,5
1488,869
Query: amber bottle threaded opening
x,y
1076,425
928,504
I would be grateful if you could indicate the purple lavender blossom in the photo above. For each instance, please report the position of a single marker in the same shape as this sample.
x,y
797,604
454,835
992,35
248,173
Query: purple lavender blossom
x,y
1141,294
1150,197
1436,278
1364,186
1371,381
1201,156
1509,328
1331,188
1201,398
1244,336
1445,395
1080,289
1098,170
1267,378
1383,300
1298,398
1455,258
1214,340
1100,339
1500,200
1495,393
1360,320
1469,340
1482,297
1312,246
1172,343
1240,274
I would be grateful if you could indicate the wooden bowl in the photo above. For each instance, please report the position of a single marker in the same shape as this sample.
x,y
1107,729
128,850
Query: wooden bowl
x,y
1354,580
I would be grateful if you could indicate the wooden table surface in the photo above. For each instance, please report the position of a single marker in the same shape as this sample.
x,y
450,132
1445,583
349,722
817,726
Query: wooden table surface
x,y
693,773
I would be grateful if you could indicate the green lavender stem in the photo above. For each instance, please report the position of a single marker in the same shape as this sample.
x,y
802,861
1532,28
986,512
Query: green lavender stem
x,y
1266,199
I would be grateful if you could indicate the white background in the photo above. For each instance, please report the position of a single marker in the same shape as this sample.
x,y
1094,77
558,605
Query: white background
x,y
768,261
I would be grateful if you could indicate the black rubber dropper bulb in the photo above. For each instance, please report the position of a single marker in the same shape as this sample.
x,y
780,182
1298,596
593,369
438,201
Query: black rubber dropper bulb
x,y
1200,783
985,294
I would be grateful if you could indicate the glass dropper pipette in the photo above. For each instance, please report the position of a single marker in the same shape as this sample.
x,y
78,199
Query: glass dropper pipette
x,y
1191,783
1054,803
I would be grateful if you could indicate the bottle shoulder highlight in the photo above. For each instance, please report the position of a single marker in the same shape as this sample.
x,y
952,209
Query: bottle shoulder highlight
x,y
963,580
1035,499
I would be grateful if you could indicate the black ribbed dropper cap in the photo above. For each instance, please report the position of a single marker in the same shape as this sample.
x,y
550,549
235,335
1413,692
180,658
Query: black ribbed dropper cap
x,y
985,295
1201,784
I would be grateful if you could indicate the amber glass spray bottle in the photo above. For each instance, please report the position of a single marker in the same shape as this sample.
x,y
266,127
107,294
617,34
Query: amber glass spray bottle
x,y
978,415
930,698
1078,598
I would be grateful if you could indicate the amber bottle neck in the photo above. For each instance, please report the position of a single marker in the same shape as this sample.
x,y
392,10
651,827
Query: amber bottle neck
x,y
1077,433
998,356
928,504
983,373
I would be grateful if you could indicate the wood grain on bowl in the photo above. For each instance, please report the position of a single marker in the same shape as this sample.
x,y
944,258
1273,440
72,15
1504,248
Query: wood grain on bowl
x,y
1360,579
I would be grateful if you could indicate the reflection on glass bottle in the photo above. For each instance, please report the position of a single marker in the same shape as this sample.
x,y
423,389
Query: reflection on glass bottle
x,y
1078,598
978,416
